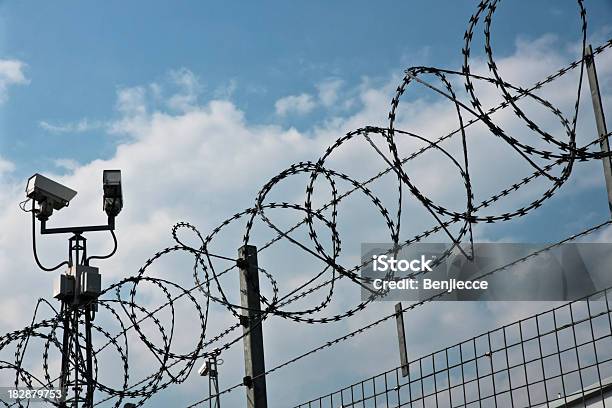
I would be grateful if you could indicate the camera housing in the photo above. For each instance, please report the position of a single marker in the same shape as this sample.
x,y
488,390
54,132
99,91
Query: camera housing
x,y
112,202
50,194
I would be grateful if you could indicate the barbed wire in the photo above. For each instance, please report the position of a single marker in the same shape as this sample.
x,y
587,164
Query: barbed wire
x,y
412,306
119,302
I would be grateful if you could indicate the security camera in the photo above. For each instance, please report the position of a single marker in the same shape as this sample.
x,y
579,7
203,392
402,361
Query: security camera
x,y
50,195
113,197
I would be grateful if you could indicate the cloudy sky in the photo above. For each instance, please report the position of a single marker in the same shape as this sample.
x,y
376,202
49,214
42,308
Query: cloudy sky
x,y
201,104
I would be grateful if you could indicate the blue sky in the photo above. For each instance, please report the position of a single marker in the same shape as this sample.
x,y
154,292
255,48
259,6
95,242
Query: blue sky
x,y
78,54
200,103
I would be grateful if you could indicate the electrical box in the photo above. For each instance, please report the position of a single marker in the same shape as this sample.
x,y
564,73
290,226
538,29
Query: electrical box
x,y
63,289
91,281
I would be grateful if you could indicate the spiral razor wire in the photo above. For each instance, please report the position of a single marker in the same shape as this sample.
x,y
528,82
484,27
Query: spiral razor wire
x,y
120,302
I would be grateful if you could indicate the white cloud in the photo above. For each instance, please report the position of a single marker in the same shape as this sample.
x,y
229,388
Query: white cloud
x,y
11,73
201,162
226,91
298,104
6,166
68,164
328,91
132,101
81,126
189,89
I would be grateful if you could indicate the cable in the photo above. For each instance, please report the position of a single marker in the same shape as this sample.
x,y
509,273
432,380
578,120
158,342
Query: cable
x,y
34,247
108,255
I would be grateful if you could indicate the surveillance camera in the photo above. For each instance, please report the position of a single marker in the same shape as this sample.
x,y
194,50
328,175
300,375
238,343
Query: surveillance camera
x,y
204,370
49,194
113,196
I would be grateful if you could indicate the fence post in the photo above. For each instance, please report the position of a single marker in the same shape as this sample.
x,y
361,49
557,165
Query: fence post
x,y
401,337
252,327
600,120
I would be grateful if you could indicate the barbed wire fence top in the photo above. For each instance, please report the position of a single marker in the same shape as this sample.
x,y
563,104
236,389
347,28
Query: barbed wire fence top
x,y
488,362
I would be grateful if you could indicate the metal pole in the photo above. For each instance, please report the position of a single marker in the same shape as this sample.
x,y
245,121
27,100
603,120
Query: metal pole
x,y
600,120
65,373
213,382
89,359
401,337
253,334
77,353
77,390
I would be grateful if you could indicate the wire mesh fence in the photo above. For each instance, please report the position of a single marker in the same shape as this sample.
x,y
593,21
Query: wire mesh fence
x,y
561,357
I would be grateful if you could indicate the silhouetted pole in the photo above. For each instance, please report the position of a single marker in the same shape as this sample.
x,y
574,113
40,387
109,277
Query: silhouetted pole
x,y
600,120
253,335
401,337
